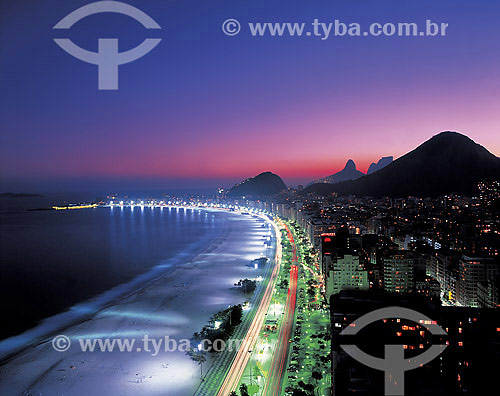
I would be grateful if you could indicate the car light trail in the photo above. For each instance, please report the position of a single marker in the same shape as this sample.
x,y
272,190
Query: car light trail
x,y
274,380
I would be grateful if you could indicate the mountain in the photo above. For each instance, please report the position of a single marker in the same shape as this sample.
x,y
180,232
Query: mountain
x,y
448,162
266,183
382,163
348,173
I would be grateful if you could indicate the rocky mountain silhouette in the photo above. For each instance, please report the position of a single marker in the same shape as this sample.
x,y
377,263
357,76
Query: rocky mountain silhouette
x,y
264,184
381,164
447,163
348,173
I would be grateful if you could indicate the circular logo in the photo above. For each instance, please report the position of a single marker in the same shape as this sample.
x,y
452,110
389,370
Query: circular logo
x,y
61,343
231,27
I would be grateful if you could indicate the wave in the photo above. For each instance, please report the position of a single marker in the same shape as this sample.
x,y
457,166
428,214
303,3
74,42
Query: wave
x,y
83,311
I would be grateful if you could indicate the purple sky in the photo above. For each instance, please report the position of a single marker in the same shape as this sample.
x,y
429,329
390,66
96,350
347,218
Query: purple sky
x,y
203,108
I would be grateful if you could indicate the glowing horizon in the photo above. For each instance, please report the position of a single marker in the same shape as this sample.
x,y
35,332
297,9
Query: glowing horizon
x,y
216,109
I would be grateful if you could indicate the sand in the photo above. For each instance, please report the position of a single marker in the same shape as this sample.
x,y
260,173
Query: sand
x,y
174,305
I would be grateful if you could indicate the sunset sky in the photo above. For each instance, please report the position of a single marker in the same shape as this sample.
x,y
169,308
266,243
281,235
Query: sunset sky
x,y
204,108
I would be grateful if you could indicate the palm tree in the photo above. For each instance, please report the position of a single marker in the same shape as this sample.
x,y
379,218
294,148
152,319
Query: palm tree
x,y
199,357
244,390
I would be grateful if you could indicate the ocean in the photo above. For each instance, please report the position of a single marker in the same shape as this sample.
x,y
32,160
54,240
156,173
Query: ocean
x,y
52,260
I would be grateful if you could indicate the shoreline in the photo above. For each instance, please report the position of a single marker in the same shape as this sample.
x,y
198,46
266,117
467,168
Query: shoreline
x,y
84,310
165,304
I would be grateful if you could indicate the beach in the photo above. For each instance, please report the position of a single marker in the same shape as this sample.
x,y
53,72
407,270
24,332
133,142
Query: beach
x,y
169,306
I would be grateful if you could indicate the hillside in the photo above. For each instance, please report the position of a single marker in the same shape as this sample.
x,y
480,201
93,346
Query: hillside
x,y
449,162
264,184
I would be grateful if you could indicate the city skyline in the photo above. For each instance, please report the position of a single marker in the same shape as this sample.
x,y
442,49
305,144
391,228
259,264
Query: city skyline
x,y
240,198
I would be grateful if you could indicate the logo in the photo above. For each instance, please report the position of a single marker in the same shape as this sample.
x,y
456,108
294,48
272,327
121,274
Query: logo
x,y
394,364
231,27
107,58
61,343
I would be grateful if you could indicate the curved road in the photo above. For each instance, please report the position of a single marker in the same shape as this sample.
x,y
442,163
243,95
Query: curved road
x,y
243,355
